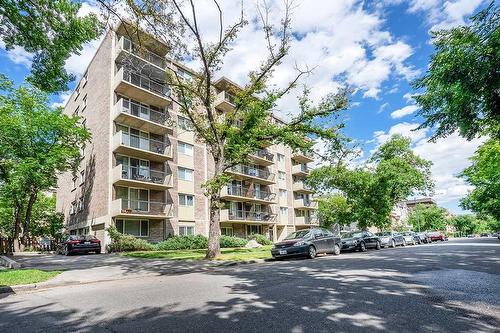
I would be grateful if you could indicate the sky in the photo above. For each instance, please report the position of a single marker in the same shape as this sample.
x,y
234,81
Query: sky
x,y
375,47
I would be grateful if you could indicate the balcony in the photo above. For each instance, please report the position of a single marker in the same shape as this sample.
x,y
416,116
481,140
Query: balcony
x,y
224,101
303,156
142,88
142,117
300,187
262,157
306,220
300,170
125,47
140,208
148,149
248,195
130,176
241,216
247,172
305,204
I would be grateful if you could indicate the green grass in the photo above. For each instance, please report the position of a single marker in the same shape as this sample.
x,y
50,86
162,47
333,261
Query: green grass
x,y
12,277
237,254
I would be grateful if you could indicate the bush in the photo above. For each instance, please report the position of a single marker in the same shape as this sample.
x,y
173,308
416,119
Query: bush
x,y
261,239
183,243
228,241
126,243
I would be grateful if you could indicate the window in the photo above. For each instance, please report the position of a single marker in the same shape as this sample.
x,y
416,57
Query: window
x,y
84,102
282,194
74,182
283,211
184,123
226,231
185,174
184,148
82,177
281,175
77,91
186,229
138,228
80,204
77,111
85,78
73,208
254,229
84,123
281,158
186,200
82,152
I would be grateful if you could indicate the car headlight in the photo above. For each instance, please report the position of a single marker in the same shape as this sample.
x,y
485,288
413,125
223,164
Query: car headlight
x,y
299,243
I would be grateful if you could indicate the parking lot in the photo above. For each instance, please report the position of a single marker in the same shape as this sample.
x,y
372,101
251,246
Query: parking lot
x,y
449,286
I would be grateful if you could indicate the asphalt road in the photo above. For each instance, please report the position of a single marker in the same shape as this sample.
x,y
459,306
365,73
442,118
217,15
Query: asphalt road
x,y
445,287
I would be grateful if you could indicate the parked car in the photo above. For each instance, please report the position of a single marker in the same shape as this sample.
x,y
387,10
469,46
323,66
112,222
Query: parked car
x,y
437,236
360,240
410,237
80,244
484,234
391,238
307,242
423,237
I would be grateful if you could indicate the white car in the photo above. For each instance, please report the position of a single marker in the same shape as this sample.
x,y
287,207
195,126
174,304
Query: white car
x,y
410,237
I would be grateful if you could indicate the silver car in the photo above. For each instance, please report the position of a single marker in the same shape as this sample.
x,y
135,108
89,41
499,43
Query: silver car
x,y
410,237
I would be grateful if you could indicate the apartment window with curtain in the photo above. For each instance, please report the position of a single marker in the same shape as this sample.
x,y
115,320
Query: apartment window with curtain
x,y
281,175
186,229
185,174
281,158
282,194
138,228
186,200
184,148
184,123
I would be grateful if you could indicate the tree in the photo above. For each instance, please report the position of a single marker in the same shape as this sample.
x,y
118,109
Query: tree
x,y
484,175
460,88
392,174
334,209
430,217
464,224
36,144
249,126
53,31
46,222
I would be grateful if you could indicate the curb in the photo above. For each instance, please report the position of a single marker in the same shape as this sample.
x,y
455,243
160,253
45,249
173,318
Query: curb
x,y
9,263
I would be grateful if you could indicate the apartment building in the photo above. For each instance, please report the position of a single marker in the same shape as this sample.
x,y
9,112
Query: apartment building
x,y
144,168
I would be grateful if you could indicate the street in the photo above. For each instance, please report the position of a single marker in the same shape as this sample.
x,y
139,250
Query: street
x,y
452,286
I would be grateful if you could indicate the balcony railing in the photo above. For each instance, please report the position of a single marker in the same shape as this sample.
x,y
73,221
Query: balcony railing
x,y
306,203
263,153
146,207
144,112
245,215
253,172
250,193
152,145
301,186
306,220
300,168
141,52
145,83
145,175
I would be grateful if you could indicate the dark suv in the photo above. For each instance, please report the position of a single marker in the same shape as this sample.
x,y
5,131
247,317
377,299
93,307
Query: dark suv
x,y
80,244
360,240
307,242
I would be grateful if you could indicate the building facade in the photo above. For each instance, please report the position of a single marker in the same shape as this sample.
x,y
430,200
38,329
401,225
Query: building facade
x,y
143,170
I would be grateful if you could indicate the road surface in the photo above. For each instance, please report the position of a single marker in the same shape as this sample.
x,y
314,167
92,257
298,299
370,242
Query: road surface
x,y
445,287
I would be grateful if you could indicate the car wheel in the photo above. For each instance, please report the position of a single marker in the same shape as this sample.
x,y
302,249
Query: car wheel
x,y
362,247
312,252
378,246
404,243
336,249
393,243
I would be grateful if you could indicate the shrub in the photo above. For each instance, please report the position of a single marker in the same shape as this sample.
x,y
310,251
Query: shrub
x,y
183,243
228,241
261,239
125,243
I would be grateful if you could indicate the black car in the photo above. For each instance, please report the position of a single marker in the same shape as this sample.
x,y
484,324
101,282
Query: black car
x,y
360,240
80,244
308,243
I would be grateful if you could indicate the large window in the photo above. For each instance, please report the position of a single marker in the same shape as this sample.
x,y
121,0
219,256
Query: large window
x,y
281,158
282,194
185,174
281,175
186,229
184,123
254,229
138,228
186,200
226,231
184,148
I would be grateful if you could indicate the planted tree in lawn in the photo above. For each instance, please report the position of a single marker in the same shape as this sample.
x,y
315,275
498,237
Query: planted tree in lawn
x,y
37,143
51,30
230,136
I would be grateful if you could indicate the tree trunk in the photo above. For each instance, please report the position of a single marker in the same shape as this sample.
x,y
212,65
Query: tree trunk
x,y
214,226
27,218
17,229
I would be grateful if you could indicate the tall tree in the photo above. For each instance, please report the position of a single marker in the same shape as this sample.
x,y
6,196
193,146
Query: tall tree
x,y
431,217
232,135
392,174
36,144
334,209
464,224
53,31
484,175
460,88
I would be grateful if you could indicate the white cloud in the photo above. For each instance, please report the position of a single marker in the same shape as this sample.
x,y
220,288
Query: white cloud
x,y
18,55
382,107
77,63
63,99
408,98
404,111
405,129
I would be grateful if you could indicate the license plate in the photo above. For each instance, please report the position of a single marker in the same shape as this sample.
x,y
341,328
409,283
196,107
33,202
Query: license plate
x,y
282,251
86,243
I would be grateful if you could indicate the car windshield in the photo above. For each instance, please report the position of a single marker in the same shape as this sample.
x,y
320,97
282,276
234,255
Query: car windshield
x,y
386,233
298,234
354,234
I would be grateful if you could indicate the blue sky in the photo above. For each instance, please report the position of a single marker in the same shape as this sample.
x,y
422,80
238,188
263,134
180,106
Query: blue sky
x,y
377,47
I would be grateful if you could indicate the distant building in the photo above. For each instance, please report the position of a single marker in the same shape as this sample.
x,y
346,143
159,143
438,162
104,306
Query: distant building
x,y
411,204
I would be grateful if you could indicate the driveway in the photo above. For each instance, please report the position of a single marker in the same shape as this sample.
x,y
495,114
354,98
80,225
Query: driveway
x,y
445,287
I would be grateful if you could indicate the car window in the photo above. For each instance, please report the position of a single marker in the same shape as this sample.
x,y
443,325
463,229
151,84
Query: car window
x,y
327,232
317,233
298,234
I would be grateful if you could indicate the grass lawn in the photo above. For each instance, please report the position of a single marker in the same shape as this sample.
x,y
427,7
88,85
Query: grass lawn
x,y
12,277
237,254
